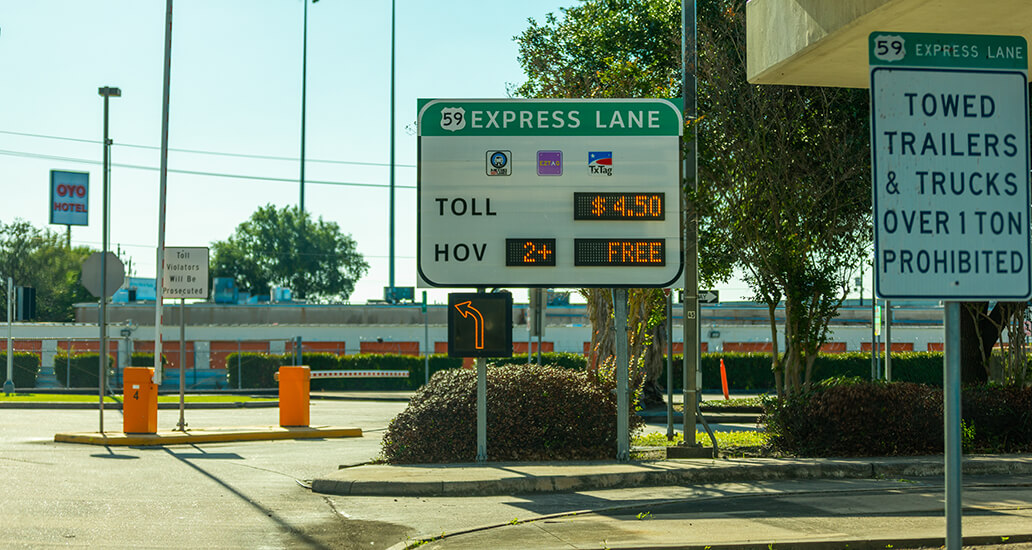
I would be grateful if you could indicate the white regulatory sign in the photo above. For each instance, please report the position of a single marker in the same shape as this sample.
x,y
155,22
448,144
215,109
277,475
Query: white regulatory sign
x,y
950,166
185,272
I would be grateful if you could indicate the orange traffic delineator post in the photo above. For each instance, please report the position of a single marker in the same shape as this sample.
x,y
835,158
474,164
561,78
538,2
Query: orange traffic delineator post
x,y
140,401
723,379
294,386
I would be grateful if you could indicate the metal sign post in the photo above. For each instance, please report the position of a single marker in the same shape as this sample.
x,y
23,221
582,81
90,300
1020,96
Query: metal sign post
x,y
480,325
950,163
623,405
9,383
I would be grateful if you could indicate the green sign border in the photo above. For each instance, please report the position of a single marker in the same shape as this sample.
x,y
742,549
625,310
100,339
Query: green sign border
x,y
953,51
557,115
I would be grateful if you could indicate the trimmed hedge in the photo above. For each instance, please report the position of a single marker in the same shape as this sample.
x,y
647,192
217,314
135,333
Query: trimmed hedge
x,y
25,371
852,417
561,359
751,371
533,413
258,369
84,369
745,371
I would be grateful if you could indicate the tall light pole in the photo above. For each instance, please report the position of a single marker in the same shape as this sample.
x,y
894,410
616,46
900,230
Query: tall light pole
x,y
304,93
106,92
391,222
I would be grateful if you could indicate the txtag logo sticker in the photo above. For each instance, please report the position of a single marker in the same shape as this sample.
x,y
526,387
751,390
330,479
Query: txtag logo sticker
x,y
600,163
549,163
499,163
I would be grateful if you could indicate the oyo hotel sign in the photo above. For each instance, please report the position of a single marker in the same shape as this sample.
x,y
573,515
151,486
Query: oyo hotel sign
x,y
69,198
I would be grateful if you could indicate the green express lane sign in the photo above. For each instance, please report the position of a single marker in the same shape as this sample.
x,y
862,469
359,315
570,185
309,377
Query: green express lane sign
x,y
479,324
551,193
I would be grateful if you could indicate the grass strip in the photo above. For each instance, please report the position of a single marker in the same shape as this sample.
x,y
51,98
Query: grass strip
x,y
80,398
724,439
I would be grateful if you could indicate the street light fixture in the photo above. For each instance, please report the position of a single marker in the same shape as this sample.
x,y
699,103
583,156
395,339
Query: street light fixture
x,y
106,92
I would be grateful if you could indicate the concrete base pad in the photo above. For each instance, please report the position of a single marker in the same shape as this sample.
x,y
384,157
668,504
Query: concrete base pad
x,y
689,452
207,435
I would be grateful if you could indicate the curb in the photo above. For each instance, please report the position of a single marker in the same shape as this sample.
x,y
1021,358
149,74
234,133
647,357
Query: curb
x,y
500,478
263,433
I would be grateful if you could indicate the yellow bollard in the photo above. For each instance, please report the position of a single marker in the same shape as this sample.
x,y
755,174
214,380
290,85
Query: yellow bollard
x,y
294,386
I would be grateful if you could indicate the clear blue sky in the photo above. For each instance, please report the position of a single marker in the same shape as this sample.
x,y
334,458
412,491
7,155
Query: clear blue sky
x,y
236,88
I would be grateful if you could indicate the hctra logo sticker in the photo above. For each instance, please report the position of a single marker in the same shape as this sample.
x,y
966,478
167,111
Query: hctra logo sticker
x,y
453,119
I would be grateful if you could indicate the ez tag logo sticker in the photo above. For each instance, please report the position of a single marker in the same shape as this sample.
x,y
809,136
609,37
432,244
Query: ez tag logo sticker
x,y
453,119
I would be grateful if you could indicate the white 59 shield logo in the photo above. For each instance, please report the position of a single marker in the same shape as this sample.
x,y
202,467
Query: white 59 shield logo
x,y
453,119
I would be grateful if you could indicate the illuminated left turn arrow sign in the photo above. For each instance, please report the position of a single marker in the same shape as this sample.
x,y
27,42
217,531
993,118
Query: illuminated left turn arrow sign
x,y
466,309
480,324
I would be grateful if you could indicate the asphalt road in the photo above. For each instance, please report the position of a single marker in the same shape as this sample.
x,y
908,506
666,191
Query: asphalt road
x,y
252,495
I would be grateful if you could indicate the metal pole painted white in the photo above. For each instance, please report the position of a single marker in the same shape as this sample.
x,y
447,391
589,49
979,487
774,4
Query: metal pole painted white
x,y
951,405
162,187
623,444
481,409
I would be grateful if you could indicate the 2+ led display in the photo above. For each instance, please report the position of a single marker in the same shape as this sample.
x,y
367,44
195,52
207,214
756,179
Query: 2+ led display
x,y
618,206
619,252
530,252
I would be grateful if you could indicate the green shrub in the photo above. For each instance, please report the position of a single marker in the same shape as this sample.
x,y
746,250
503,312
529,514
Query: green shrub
x,y
83,368
533,413
1000,417
561,359
257,370
854,417
25,371
751,371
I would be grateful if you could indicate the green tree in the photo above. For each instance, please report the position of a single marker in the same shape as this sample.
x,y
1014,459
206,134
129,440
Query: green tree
x,y
39,258
784,186
286,247
610,49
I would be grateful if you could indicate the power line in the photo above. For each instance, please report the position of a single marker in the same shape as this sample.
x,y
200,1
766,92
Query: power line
x,y
24,154
202,152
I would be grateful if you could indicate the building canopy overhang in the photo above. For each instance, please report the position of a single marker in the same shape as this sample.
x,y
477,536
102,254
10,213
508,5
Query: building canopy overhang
x,y
824,42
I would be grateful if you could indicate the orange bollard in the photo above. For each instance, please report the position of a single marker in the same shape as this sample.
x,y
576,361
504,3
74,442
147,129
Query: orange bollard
x,y
723,379
294,386
139,401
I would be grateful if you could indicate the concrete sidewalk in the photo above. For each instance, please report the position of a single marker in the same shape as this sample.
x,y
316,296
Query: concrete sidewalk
x,y
497,478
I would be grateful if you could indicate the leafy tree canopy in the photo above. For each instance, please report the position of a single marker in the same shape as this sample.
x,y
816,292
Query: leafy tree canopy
x,y
286,247
39,258
784,183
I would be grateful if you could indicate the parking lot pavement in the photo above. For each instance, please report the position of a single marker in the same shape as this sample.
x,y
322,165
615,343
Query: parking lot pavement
x,y
224,495
254,495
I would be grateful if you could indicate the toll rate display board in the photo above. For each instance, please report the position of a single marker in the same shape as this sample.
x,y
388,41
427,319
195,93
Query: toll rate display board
x,y
557,193
480,324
